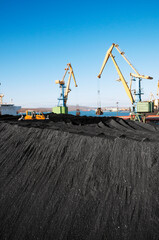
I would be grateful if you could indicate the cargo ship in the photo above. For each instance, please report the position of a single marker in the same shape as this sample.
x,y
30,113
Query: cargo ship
x,y
8,108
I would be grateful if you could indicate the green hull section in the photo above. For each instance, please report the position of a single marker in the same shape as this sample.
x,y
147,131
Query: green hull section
x,y
60,110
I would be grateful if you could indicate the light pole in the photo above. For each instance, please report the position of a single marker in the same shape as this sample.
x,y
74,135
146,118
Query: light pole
x,y
117,107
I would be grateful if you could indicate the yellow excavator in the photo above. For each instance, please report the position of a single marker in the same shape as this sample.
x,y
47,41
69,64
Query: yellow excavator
x,y
136,102
62,107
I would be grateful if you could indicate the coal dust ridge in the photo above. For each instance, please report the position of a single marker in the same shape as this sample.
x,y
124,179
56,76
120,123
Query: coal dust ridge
x,y
79,178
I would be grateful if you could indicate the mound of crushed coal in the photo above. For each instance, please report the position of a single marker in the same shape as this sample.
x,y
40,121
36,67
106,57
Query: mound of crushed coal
x,y
79,178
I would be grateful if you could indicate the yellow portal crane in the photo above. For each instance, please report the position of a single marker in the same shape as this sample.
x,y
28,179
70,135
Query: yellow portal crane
x,y
121,77
62,108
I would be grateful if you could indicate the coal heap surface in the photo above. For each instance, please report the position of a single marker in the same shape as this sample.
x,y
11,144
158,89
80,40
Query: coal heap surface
x,y
79,178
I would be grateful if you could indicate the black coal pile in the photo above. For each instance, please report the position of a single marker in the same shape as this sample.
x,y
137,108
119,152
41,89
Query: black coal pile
x,y
79,178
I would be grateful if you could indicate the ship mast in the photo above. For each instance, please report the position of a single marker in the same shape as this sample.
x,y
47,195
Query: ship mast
x,y
1,97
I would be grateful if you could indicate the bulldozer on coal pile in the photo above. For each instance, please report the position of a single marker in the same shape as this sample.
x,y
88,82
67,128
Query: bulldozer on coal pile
x,y
32,115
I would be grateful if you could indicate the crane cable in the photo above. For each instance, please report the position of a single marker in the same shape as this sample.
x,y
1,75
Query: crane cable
x,y
77,102
98,94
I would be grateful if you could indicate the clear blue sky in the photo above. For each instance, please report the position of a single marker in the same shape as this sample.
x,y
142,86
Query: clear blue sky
x,y
39,37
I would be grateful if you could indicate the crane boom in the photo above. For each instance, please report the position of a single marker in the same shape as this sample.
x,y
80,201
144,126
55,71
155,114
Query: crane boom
x,y
122,79
137,75
122,54
69,80
106,59
71,69
140,76
66,69
109,54
62,82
